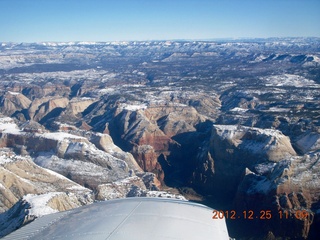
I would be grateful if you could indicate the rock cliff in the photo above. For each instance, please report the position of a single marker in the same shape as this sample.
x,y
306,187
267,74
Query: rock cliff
x,y
62,171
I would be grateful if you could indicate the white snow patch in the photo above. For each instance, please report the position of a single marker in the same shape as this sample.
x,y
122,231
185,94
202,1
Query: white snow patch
x,y
4,159
13,93
237,109
106,90
60,136
132,85
234,134
309,98
264,168
133,107
7,125
81,99
38,203
234,128
288,80
277,109
127,180
163,194
77,188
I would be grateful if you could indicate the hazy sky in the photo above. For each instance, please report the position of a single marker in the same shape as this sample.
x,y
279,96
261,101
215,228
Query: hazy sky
x,y
109,20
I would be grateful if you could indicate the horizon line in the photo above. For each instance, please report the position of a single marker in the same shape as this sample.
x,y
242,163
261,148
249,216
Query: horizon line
x,y
164,40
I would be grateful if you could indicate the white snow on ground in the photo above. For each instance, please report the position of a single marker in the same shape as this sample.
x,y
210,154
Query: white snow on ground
x,y
127,180
288,80
229,129
65,125
87,169
7,125
38,203
132,85
237,109
276,109
4,159
60,136
89,74
13,93
226,131
234,134
106,90
165,195
265,168
77,187
306,170
7,156
133,107
81,99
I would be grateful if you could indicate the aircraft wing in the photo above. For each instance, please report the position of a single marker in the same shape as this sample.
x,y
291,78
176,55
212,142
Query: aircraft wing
x,y
126,219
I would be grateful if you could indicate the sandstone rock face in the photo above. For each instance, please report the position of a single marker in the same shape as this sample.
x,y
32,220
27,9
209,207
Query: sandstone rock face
x,y
20,176
101,141
232,149
35,105
70,155
28,191
129,187
250,144
78,168
142,185
149,134
52,106
146,157
104,142
32,127
150,181
308,142
13,102
78,105
260,170
286,188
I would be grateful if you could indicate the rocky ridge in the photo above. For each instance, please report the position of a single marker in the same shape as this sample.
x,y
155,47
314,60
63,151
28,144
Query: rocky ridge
x,y
79,173
265,173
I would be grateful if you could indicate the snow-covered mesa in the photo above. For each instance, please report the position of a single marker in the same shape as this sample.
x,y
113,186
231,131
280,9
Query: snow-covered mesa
x,y
288,80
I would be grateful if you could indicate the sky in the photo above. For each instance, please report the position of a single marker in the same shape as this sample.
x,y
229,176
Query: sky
x,y
125,20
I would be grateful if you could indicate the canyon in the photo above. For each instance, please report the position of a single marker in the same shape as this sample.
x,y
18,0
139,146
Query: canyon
x,y
234,125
